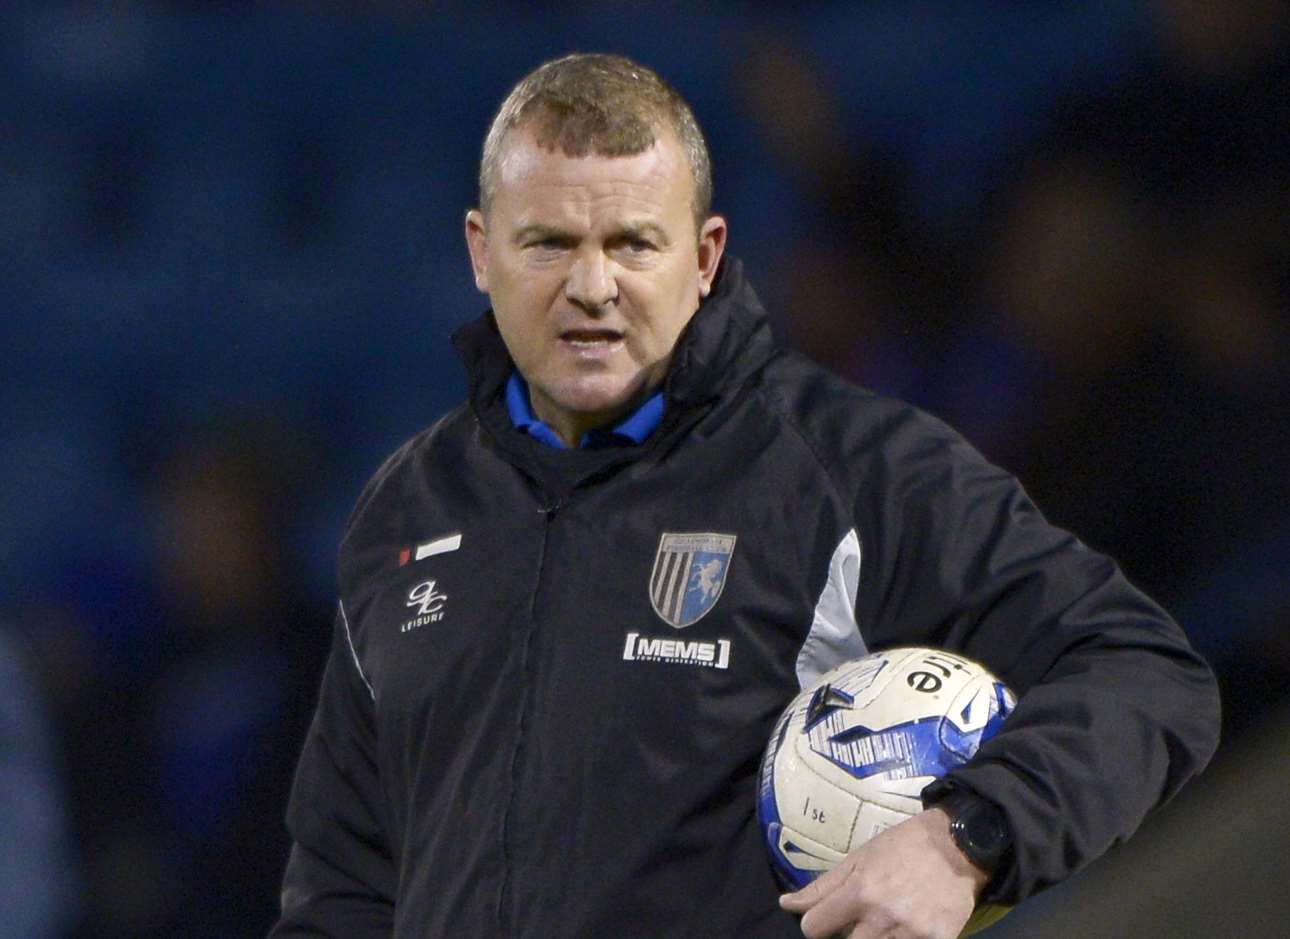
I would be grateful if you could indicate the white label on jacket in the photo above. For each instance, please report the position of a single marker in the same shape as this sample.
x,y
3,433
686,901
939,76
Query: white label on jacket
x,y
430,549
640,648
438,546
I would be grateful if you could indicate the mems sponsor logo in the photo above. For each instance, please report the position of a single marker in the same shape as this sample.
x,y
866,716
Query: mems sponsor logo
x,y
640,648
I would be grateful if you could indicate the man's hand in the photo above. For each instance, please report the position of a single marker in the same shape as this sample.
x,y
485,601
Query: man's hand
x,y
910,882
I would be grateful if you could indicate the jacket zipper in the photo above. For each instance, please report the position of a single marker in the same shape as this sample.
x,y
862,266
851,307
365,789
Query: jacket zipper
x,y
505,903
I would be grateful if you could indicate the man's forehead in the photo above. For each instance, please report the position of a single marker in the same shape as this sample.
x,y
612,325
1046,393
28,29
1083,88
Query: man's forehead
x,y
527,166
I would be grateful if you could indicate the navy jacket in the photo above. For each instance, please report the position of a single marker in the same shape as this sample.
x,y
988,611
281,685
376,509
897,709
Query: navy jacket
x,y
540,718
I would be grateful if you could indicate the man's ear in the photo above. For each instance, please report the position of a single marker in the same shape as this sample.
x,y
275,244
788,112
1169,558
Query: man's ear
x,y
712,242
477,245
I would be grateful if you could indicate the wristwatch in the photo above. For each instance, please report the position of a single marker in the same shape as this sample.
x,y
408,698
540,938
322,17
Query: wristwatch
x,y
978,827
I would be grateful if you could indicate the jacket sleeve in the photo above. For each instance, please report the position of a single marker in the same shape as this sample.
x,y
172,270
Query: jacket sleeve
x,y
1116,710
340,878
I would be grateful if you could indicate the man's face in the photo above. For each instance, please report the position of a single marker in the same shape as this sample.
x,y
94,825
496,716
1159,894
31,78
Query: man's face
x,y
594,267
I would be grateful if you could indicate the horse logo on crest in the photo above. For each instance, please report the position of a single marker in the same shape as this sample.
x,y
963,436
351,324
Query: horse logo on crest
x,y
689,575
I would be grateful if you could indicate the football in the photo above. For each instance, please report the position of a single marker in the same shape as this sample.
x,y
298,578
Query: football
x,y
853,751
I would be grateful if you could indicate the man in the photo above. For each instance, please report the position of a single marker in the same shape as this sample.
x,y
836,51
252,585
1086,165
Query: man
x,y
571,611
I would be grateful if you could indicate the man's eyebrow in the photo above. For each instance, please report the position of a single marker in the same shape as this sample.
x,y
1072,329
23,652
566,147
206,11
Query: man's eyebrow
x,y
645,230
541,231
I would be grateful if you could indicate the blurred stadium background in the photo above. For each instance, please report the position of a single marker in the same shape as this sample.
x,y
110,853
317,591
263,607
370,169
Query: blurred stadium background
x,y
231,253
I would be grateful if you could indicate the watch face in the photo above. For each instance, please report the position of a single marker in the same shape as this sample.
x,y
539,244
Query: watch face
x,y
980,832
984,829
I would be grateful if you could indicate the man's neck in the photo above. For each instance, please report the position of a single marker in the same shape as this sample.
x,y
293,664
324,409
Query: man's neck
x,y
572,427
633,422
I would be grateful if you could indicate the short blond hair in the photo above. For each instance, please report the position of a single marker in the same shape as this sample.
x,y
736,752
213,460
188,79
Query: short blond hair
x,y
603,104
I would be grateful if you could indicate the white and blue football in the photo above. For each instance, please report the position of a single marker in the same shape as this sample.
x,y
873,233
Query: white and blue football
x,y
853,751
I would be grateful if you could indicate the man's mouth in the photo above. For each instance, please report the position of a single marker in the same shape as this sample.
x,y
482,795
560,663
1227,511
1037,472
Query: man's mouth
x,y
591,338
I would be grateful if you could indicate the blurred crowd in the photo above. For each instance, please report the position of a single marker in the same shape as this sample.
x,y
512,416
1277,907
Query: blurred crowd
x,y
233,257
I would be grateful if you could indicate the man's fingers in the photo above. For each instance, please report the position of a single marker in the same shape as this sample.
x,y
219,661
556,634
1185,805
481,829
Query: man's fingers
x,y
841,911
816,890
797,902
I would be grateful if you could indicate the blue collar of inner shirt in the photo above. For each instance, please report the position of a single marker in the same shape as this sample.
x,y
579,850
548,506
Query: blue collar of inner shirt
x,y
633,429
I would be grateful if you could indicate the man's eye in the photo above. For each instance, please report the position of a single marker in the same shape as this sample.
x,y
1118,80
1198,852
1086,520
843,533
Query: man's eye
x,y
552,245
638,245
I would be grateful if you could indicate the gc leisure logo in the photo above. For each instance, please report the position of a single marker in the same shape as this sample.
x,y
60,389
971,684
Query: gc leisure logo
x,y
429,604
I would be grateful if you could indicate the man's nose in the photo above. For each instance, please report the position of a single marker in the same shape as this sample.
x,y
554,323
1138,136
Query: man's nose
x,y
590,284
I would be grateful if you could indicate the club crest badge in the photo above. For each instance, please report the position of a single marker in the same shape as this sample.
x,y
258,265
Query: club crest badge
x,y
689,575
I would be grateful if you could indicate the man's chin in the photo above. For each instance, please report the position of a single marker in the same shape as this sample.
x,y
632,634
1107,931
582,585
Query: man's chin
x,y
600,401
599,408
